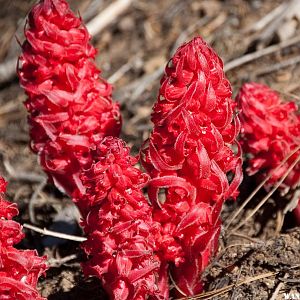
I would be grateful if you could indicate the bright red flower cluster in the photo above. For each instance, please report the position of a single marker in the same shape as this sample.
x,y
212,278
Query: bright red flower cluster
x,y
70,105
19,269
117,219
190,157
270,132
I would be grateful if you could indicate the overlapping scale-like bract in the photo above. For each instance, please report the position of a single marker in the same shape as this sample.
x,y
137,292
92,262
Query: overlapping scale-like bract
x,y
122,239
270,132
70,105
190,157
19,269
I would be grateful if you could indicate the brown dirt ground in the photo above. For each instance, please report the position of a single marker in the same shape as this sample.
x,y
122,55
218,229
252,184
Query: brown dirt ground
x,y
143,38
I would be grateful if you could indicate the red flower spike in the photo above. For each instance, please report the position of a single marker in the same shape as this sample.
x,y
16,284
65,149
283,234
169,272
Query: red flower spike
x,y
122,239
19,269
190,158
270,132
70,105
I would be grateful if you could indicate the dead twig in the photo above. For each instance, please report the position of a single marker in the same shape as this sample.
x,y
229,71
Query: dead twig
x,y
134,62
291,280
59,235
120,72
269,31
142,84
268,18
260,53
57,262
107,16
91,10
278,66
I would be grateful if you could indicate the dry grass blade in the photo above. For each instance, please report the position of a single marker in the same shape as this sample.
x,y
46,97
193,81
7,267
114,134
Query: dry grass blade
x,y
225,289
59,235
266,198
259,187
176,286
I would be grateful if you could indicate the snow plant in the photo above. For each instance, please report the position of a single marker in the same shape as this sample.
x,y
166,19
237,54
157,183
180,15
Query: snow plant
x,y
19,269
270,133
193,158
123,241
70,106
71,112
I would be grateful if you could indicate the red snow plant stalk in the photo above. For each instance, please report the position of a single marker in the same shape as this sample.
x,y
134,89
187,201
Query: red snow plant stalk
x,y
122,237
70,105
19,269
190,158
270,133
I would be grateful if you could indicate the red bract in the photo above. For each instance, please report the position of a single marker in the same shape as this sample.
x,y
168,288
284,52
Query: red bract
x,y
70,105
122,237
190,159
270,132
19,269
